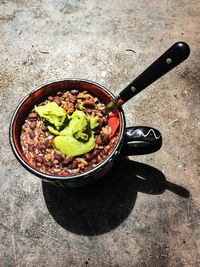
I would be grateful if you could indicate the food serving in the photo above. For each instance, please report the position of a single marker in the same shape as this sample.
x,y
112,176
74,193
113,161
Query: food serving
x,y
68,133
70,138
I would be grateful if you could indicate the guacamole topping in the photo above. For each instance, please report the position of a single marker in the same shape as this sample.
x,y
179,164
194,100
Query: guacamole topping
x,y
52,113
74,134
81,106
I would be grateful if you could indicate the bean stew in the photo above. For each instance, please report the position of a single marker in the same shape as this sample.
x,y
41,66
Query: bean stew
x,y
38,144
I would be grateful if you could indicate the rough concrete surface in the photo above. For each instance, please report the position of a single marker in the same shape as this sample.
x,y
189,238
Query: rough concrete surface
x,y
122,220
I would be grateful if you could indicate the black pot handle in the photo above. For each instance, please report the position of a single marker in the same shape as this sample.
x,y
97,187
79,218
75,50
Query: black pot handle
x,y
170,59
140,140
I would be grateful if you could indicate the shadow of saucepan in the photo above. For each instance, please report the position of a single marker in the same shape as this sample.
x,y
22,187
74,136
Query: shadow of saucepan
x,y
101,207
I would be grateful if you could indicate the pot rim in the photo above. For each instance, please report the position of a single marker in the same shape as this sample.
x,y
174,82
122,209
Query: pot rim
x,y
77,176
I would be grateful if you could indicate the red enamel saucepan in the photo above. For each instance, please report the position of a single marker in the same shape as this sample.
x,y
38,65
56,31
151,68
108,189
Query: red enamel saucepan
x,y
135,140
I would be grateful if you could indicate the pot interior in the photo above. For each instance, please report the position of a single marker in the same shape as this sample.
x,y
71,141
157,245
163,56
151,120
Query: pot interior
x,y
39,95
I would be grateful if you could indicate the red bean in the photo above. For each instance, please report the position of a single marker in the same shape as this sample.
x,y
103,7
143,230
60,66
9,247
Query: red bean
x,y
99,141
73,99
102,153
102,122
74,165
33,125
88,156
104,157
87,168
41,147
42,104
74,92
96,152
39,159
99,114
32,116
44,128
106,117
67,161
32,134
59,93
106,150
94,161
49,144
89,104
57,100
97,131
105,139
50,98
88,111
58,157
48,164
30,148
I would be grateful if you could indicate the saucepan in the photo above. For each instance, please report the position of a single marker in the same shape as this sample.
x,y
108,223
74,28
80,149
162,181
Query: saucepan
x,y
135,140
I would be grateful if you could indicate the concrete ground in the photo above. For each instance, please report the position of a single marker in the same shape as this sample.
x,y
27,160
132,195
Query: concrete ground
x,y
123,220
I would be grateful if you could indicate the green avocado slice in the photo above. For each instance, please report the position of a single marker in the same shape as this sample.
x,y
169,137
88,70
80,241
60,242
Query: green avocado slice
x,y
52,113
72,147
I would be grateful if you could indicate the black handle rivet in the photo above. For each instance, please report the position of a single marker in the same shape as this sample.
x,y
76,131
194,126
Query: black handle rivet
x,y
169,61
